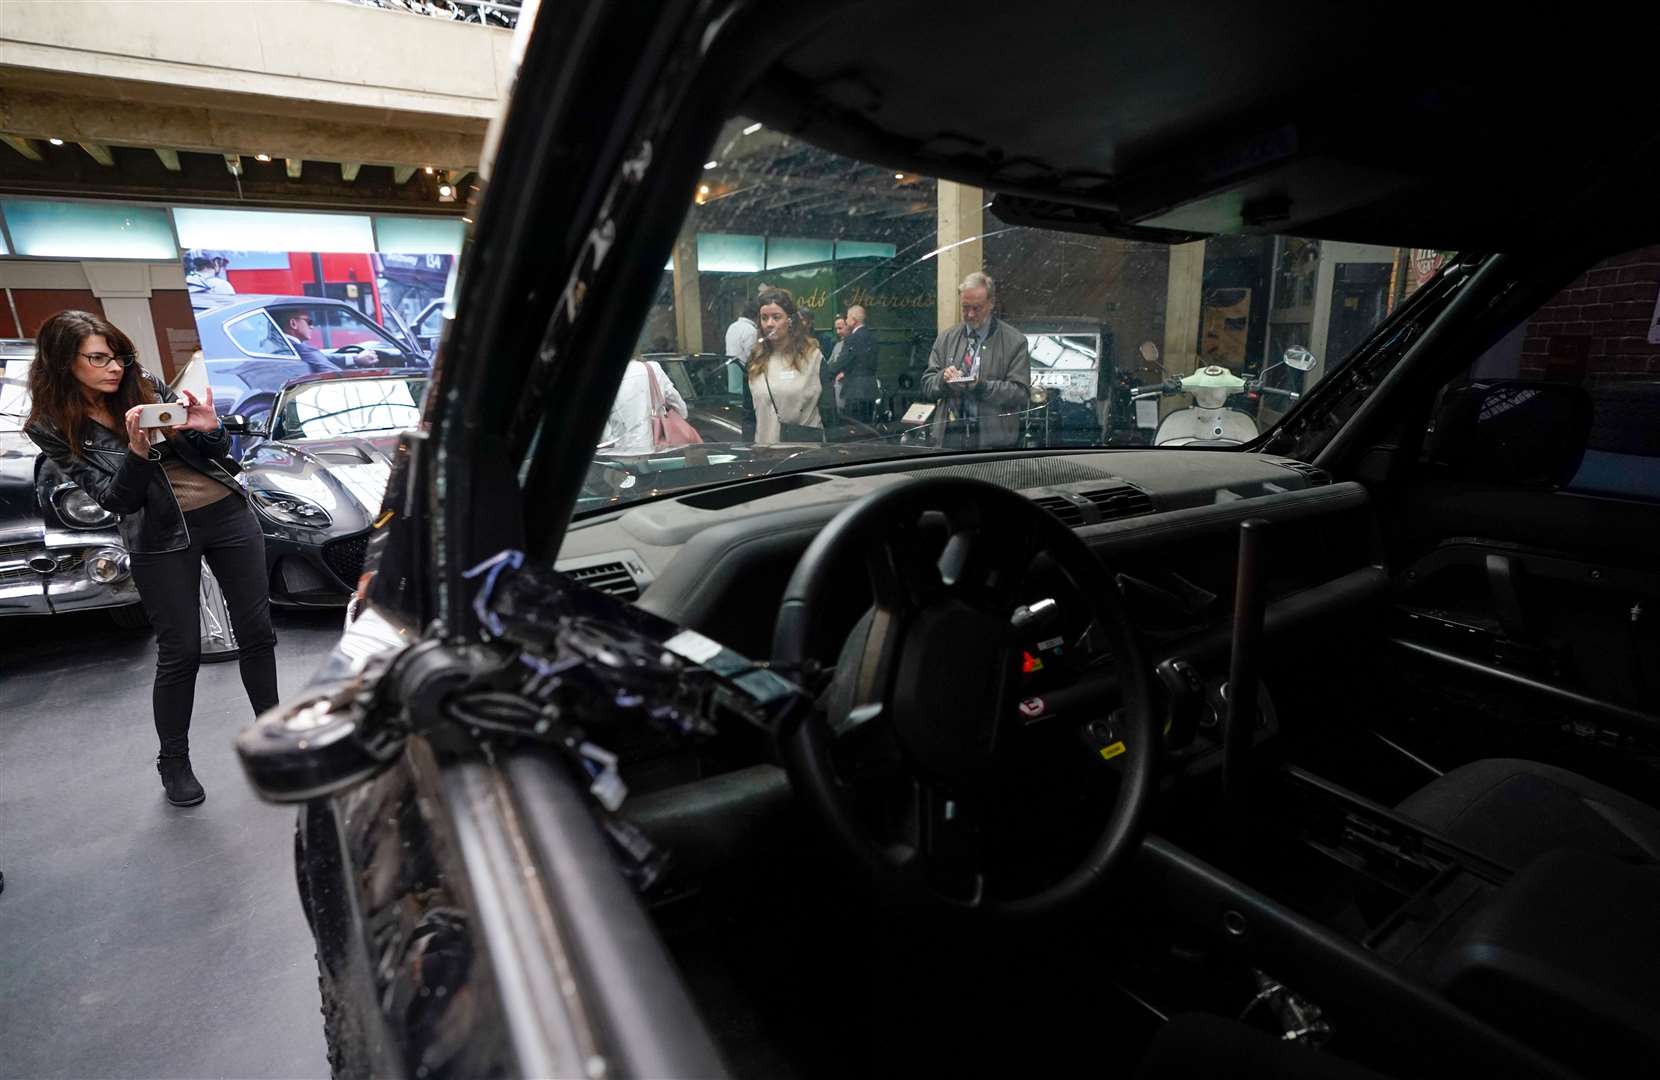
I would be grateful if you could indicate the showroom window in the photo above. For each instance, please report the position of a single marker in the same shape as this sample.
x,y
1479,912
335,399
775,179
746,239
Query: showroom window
x,y
88,230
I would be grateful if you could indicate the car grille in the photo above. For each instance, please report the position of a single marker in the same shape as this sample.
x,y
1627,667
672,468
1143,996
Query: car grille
x,y
344,558
17,552
24,572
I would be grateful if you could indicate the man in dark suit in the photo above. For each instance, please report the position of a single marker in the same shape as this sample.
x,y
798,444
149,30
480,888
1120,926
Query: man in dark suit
x,y
855,368
980,373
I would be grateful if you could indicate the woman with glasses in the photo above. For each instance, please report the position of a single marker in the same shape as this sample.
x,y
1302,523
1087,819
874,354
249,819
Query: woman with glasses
x,y
176,493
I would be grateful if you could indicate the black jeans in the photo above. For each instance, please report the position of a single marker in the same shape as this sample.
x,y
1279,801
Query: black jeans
x,y
226,534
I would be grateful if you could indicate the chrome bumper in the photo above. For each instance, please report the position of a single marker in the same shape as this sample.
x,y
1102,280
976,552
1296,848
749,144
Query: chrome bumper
x,y
50,574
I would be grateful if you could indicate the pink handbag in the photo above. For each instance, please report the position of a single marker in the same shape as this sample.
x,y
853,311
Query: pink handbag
x,y
668,428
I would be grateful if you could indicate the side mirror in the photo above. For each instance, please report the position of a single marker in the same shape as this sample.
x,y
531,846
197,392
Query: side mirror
x,y
1515,432
1298,357
235,423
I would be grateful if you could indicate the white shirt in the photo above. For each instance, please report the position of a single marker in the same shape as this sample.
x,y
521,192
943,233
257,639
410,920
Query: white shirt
x,y
628,428
741,337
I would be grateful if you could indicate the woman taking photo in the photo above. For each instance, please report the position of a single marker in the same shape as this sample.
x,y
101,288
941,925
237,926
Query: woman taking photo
x,y
784,374
175,491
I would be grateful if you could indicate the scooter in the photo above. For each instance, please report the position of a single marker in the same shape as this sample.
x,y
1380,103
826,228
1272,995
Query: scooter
x,y
1209,421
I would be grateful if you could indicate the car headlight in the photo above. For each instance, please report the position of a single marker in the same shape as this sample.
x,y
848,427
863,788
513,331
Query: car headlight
x,y
107,566
287,509
76,508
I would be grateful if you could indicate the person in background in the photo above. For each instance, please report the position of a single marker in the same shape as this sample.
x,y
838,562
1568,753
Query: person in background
x,y
855,370
628,430
832,366
783,373
297,326
204,278
980,372
178,500
740,342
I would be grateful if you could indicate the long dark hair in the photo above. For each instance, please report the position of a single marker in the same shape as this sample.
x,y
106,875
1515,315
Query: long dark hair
x,y
56,398
795,344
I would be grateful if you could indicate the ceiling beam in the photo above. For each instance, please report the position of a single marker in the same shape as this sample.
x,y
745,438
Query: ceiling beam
x,y
382,139
402,173
100,153
169,159
293,166
23,146
348,170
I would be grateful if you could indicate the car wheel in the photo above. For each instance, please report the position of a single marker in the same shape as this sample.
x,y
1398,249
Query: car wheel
x,y
130,617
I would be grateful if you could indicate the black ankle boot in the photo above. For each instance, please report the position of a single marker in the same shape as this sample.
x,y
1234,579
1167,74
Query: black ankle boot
x,y
183,789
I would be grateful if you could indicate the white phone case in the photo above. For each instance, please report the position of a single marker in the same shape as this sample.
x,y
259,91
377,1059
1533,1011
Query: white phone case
x,y
161,414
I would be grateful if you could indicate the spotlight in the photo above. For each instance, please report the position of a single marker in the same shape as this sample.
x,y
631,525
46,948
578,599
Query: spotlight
x,y
55,142
262,157
752,129
711,164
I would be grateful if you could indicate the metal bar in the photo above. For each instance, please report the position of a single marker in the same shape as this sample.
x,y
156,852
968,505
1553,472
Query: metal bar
x,y
1616,716
1248,604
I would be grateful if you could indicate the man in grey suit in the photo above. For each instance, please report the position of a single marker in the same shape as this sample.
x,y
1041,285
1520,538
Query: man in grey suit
x,y
980,373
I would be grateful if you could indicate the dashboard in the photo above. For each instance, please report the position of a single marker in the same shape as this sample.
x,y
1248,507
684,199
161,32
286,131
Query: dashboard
x,y
717,560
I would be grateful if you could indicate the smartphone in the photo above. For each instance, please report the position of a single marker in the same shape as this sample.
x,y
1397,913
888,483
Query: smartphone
x,y
162,414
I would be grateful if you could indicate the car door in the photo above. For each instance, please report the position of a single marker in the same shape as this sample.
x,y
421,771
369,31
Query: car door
x,y
1527,618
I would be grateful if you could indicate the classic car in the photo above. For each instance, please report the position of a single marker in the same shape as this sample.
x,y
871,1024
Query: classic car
x,y
315,469
59,550
1329,754
247,357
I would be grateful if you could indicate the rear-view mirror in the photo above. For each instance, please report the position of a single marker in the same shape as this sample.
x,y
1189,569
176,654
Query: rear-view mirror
x,y
1515,432
1299,358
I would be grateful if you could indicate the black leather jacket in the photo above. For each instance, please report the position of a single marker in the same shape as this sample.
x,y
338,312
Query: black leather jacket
x,y
137,488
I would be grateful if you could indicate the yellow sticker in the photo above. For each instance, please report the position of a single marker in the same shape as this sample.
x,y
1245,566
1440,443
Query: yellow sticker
x,y
1112,751
386,515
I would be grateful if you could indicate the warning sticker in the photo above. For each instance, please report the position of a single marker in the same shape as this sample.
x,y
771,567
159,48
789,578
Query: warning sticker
x,y
1112,750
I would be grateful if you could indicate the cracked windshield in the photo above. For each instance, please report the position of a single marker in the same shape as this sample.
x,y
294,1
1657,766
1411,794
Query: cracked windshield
x,y
820,311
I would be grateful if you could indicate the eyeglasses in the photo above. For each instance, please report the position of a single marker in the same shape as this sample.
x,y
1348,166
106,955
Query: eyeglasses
x,y
104,359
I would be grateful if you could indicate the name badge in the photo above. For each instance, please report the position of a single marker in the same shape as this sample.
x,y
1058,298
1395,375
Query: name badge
x,y
786,376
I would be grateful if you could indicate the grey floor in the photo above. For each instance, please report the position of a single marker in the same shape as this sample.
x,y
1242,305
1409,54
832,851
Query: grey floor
x,y
137,939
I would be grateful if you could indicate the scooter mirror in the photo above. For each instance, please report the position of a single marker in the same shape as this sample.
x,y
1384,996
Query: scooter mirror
x,y
1299,358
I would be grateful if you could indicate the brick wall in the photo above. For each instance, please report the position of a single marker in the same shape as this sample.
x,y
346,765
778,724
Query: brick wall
x,y
1596,329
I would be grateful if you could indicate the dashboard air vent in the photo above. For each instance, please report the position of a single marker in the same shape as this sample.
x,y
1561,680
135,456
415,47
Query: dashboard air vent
x,y
611,577
1120,502
1070,513
1316,476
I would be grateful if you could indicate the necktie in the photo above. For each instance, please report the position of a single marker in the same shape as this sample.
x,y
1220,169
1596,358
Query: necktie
x,y
973,352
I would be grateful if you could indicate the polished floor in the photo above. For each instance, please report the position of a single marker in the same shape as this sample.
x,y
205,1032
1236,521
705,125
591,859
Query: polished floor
x,y
136,939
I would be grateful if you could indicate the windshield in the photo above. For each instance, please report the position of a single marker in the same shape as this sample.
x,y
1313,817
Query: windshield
x,y
14,393
325,410
819,310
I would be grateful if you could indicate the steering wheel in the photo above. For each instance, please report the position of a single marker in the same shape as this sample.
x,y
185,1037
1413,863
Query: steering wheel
x,y
936,679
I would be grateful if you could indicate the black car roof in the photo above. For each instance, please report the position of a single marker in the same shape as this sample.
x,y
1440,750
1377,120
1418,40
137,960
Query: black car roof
x,y
1448,126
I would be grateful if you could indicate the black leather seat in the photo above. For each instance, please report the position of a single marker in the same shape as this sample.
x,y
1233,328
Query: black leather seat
x,y
1513,811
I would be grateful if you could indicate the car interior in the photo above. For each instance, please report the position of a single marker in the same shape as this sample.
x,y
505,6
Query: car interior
x,y
1432,840
1004,809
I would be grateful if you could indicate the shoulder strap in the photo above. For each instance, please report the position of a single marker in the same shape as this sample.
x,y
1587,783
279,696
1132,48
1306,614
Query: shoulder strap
x,y
657,405
770,398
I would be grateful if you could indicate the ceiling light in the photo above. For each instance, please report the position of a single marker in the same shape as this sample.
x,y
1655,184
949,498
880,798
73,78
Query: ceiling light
x,y
711,164
262,157
429,170
752,129
899,176
468,220
55,142
703,189
446,192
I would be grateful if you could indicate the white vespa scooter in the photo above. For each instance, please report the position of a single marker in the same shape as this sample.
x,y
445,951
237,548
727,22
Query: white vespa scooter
x,y
1209,420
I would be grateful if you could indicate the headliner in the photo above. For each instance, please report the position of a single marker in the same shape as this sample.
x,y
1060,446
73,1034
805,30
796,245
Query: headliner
x,y
1398,124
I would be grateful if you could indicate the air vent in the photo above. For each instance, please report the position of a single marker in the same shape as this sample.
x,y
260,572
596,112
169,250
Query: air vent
x,y
1070,513
1120,502
1316,476
611,577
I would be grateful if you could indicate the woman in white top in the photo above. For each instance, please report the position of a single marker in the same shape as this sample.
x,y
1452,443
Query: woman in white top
x,y
628,428
783,370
